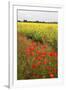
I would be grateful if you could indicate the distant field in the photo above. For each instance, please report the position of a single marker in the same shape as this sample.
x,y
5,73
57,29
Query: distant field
x,y
37,50
37,31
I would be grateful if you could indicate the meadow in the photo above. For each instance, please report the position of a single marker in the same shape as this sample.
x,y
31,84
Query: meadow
x,y
37,50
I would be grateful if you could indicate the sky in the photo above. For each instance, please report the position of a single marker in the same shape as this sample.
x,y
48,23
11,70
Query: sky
x,y
37,16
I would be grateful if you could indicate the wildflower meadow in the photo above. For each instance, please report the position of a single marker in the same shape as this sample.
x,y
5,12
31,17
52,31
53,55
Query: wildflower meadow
x,y
37,50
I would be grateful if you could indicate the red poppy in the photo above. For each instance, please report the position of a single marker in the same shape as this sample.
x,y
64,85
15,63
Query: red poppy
x,y
39,58
50,54
45,61
32,53
38,52
38,63
32,48
43,54
33,66
51,75
55,54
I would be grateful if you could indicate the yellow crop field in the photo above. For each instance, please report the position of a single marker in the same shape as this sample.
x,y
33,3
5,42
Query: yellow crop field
x,y
41,27
38,30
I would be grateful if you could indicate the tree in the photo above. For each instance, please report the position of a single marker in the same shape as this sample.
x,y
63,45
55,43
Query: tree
x,y
25,20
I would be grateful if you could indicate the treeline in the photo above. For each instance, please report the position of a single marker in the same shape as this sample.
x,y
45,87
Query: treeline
x,y
36,21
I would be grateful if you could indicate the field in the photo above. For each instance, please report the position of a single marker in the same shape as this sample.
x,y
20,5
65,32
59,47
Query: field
x,y
37,50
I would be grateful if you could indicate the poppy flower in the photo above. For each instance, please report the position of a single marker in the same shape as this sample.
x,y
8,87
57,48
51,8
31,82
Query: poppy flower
x,y
32,53
31,48
45,61
38,52
51,75
43,54
33,66
50,54
38,63
55,54
39,58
